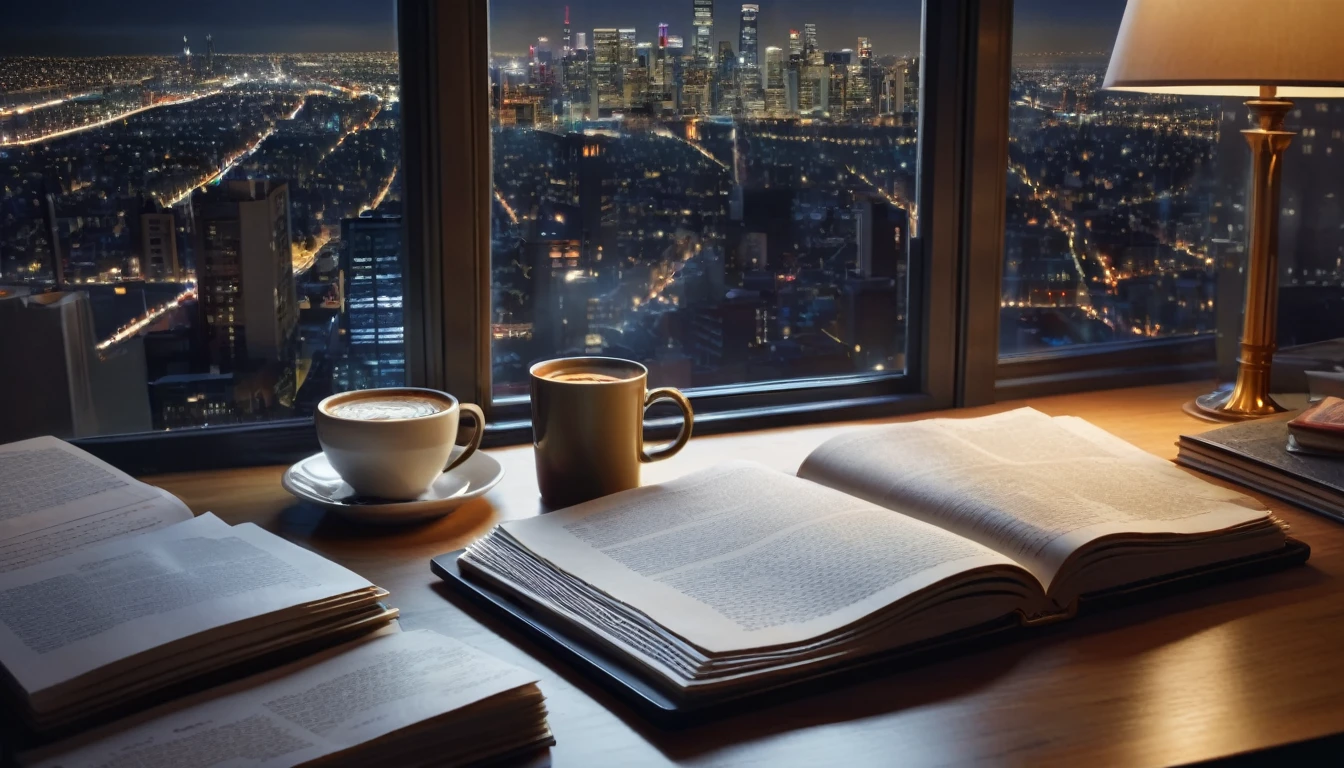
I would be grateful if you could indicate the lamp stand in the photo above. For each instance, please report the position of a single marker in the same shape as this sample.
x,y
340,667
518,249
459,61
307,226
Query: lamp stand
x,y
1249,397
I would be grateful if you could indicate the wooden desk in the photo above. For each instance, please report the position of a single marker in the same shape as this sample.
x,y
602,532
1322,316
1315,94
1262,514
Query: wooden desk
x,y
1223,670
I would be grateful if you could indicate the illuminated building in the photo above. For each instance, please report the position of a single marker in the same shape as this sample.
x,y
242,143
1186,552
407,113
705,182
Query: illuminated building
x,y
703,41
811,51
158,246
605,70
565,40
776,101
245,281
627,42
747,37
371,262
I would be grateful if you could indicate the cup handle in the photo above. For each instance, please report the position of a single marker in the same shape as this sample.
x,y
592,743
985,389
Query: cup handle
x,y
476,434
688,418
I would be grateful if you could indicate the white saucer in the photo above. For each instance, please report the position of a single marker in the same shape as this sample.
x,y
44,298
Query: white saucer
x,y
314,480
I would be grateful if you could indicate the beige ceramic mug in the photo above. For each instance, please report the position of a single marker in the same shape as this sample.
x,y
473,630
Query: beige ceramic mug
x,y
588,426
393,443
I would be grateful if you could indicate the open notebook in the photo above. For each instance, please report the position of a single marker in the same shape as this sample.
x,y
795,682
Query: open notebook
x,y
739,577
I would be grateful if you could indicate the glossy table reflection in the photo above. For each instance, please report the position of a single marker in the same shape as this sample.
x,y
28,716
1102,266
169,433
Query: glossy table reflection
x,y
1224,670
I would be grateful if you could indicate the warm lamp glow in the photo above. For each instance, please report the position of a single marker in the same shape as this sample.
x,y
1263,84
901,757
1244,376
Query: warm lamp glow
x,y
1230,48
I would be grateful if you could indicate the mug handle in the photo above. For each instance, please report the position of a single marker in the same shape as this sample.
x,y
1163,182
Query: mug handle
x,y
671,449
476,435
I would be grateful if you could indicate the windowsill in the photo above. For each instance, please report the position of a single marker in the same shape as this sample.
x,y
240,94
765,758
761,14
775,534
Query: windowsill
x,y
1106,366
519,431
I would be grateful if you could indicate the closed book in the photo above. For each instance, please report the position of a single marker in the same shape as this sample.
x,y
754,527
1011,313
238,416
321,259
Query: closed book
x,y
1320,427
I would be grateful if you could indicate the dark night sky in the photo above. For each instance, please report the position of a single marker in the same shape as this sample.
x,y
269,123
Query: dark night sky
x,y
100,27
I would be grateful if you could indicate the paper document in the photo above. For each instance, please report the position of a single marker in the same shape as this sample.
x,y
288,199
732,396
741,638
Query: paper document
x,y
56,499
333,702
74,614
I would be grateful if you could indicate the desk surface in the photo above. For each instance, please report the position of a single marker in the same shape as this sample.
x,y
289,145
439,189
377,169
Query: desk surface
x,y
1223,670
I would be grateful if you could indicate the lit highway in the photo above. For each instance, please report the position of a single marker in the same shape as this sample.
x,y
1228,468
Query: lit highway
x,y
144,321
109,120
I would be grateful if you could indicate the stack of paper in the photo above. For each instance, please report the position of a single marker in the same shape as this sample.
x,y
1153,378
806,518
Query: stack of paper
x,y
129,620
409,699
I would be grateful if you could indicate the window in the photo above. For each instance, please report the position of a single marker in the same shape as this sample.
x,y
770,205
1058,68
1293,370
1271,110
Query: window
x,y
199,216
723,191
1126,211
1116,224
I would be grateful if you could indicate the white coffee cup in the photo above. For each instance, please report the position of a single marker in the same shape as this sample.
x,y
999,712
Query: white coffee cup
x,y
393,443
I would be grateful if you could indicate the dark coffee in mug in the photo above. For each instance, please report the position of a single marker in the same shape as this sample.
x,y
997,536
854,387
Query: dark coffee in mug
x,y
588,427
582,377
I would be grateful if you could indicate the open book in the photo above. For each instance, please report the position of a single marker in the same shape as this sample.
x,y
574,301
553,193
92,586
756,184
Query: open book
x,y
403,699
739,577
56,499
123,621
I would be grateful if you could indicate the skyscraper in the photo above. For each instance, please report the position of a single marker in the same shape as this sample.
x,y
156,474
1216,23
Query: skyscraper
x,y
703,44
795,44
580,41
210,54
158,246
776,101
746,47
605,69
811,51
245,277
373,321
627,47
565,36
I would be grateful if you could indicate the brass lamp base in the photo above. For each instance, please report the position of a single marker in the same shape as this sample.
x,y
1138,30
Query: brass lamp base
x,y
1249,398
1218,405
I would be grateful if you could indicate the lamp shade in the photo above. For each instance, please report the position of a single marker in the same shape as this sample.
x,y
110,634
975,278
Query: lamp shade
x,y
1230,48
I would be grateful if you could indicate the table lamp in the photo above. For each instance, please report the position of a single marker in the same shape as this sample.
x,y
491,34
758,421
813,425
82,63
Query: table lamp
x,y
1269,52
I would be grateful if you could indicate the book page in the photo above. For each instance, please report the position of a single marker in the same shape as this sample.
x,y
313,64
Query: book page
x,y
742,556
1029,486
56,499
68,616
323,705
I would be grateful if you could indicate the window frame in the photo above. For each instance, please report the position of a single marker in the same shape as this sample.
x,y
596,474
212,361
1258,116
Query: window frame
x,y
444,60
936,278
1079,369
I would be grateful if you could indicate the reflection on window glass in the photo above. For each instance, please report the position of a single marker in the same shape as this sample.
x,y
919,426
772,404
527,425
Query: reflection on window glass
x,y
199,217
1126,211
723,191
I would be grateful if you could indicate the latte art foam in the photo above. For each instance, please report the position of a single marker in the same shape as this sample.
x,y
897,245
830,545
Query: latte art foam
x,y
387,408
582,377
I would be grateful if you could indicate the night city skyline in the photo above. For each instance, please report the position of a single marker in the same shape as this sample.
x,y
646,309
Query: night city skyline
x,y
213,226
90,28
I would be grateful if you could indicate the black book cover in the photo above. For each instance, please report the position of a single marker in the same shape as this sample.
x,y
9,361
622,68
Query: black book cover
x,y
1265,442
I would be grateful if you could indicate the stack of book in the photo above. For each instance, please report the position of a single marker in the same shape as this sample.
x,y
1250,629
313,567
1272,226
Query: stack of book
x,y
123,621
115,599
1294,457
403,699
740,579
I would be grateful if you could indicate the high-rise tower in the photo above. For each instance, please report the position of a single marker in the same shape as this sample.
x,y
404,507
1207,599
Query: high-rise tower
x,y
703,44
209,54
747,37
811,51
565,39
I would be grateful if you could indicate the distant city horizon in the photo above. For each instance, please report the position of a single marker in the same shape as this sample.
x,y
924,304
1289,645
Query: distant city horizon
x,y
350,26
